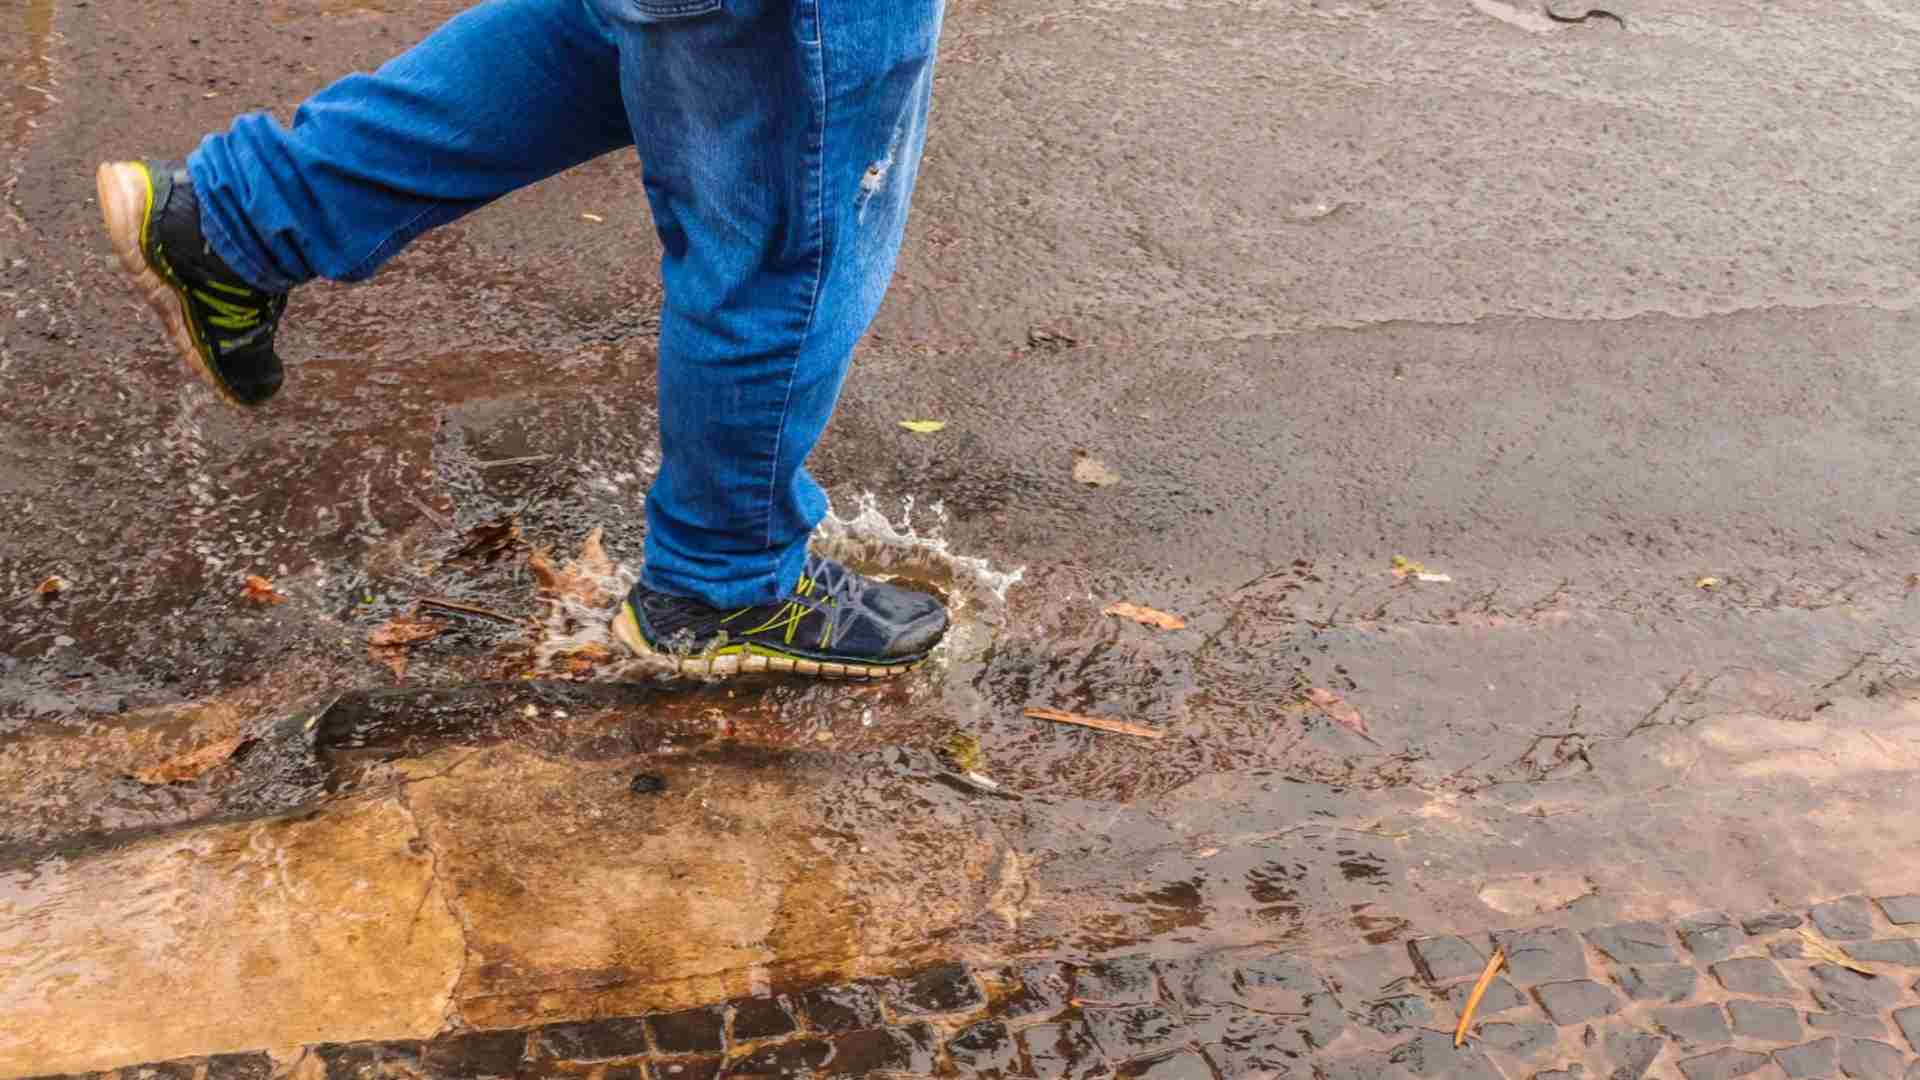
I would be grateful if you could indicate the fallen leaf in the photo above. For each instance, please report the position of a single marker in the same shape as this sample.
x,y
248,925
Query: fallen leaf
x,y
588,578
582,660
1487,973
485,543
53,586
1336,707
1708,583
1092,472
192,764
1820,950
260,590
405,630
1146,616
923,427
595,218
1101,723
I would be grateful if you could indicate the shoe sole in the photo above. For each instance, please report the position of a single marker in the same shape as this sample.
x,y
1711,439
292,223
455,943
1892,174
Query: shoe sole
x,y
126,197
626,627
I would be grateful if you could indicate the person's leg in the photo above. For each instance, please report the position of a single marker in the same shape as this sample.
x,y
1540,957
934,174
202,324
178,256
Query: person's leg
x,y
507,93
781,139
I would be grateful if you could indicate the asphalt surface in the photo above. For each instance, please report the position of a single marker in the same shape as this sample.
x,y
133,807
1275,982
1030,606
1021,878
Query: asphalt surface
x,y
1613,328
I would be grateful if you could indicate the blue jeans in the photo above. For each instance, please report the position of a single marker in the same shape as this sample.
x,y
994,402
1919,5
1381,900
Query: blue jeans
x,y
779,139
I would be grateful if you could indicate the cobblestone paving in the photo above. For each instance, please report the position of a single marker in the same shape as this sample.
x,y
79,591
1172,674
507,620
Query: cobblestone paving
x,y
1713,996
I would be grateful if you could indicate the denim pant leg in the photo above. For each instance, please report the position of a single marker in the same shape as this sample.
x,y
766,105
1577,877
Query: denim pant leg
x,y
502,95
780,141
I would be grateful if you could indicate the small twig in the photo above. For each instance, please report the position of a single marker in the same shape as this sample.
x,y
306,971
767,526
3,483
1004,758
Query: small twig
x,y
530,459
457,607
1479,990
433,515
1117,727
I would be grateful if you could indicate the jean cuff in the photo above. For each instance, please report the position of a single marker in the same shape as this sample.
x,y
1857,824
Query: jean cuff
x,y
223,242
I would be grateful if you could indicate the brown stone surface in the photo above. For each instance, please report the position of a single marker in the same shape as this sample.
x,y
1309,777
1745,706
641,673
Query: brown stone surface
x,y
580,899
234,937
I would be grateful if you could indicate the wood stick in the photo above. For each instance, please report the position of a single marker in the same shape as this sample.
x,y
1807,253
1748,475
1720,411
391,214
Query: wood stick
x,y
530,459
1118,727
1479,989
433,515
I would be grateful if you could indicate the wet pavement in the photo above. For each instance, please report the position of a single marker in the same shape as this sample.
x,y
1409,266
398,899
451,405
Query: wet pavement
x,y
1225,307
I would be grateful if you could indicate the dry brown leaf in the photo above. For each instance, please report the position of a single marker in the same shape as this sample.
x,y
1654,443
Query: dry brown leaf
x,y
193,764
1336,707
53,586
1146,616
583,660
1487,973
485,543
1101,723
584,578
405,630
261,591
1820,950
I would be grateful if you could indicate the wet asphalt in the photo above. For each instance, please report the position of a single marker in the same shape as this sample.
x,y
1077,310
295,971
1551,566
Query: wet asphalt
x,y
1611,326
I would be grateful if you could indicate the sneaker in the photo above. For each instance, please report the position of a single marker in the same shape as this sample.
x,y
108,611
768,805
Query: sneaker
x,y
836,625
220,325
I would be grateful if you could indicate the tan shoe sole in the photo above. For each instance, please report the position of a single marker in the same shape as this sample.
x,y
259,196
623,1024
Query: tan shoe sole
x,y
126,204
626,627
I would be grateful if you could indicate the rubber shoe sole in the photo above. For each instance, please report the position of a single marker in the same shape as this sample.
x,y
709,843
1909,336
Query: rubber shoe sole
x,y
126,203
626,627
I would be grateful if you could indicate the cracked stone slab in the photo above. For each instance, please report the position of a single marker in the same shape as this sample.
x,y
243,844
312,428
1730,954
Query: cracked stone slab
x,y
1755,975
1544,955
1500,996
1818,1058
257,951
1722,1065
1770,922
1694,1025
1846,919
1444,959
1764,1021
1900,910
1666,983
1576,1001
1844,990
1868,1059
1710,935
1632,943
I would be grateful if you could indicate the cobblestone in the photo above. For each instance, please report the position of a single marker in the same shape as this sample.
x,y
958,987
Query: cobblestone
x,y
1814,1059
1900,910
1902,952
1385,1014
1846,919
1710,936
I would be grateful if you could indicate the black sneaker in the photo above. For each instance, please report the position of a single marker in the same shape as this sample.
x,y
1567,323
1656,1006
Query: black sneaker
x,y
837,625
220,325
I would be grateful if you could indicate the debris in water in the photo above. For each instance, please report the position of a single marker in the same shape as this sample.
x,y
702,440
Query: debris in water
x,y
485,543
1592,13
458,607
193,764
1820,950
1118,727
1498,958
1336,707
1091,471
1404,568
963,752
580,579
1146,616
1707,583
261,591
52,587
924,427
648,784
388,644
1042,337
